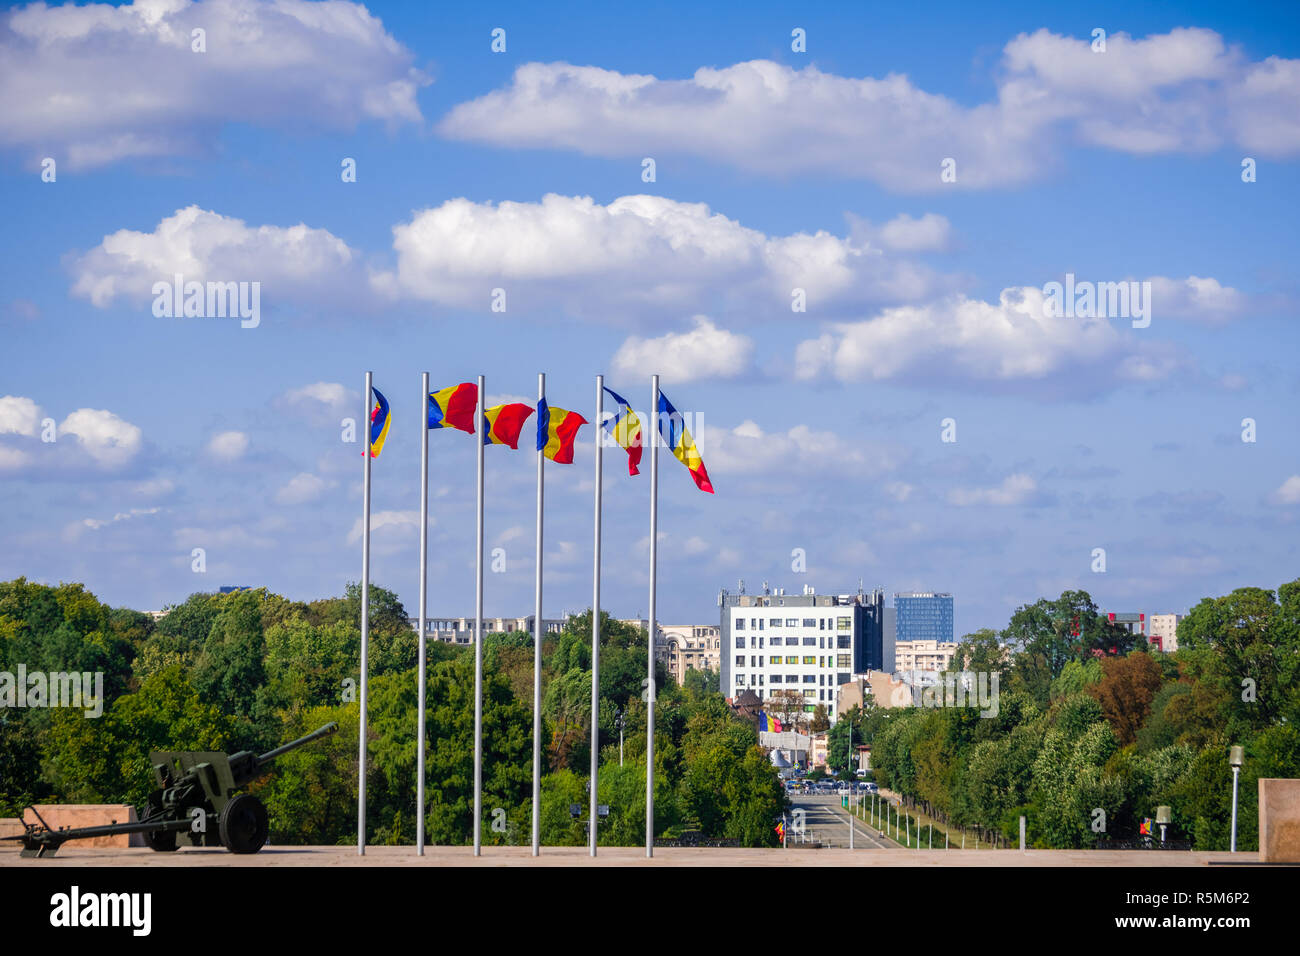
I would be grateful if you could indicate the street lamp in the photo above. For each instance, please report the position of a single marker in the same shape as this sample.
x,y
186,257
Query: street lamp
x,y
1236,757
618,722
1164,817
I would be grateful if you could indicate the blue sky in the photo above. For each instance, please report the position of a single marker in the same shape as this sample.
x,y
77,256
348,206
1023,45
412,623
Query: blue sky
x,y
819,170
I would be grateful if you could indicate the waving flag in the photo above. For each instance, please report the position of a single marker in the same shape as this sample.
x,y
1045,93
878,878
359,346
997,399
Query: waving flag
x,y
380,419
556,430
626,429
504,422
453,407
673,429
769,723
779,829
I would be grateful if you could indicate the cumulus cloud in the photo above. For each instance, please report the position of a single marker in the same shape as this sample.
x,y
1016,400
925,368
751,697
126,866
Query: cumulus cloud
x,y
1288,493
928,233
301,488
959,339
1197,299
13,459
201,245
706,351
750,451
228,446
388,529
109,440
19,415
97,83
1178,91
1014,490
321,401
635,255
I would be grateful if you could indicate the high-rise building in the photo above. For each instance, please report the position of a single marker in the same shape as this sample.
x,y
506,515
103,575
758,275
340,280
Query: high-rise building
x,y
809,643
923,616
1164,631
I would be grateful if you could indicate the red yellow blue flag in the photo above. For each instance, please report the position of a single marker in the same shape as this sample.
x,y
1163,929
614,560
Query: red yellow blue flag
x,y
556,430
453,407
626,429
380,419
673,429
503,423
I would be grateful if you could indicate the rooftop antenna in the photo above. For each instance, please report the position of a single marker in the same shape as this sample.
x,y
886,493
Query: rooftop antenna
x,y
766,589
741,588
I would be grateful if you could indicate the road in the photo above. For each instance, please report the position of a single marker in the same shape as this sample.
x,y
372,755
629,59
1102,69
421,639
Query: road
x,y
826,822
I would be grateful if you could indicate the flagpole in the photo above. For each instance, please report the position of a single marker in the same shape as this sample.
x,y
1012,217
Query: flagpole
x,y
424,596
537,635
595,626
365,619
650,657
478,633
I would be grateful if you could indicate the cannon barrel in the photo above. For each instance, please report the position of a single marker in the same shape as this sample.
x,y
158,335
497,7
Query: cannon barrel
x,y
316,734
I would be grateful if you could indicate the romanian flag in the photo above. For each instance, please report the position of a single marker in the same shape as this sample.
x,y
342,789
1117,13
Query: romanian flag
x,y
626,429
502,423
380,419
1144,828
673,429
768,722
453,407
780,830
556,430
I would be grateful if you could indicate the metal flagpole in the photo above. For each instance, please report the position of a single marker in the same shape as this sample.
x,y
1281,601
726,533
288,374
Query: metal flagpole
x,y
595,624
650,657
365,619
537,639
424,596
478,633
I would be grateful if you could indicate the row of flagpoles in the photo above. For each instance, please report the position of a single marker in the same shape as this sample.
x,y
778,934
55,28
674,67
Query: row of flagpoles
x,y
462,407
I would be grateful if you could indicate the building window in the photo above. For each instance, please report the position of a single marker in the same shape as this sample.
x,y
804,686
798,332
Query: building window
x,y
740,662
792,678
774,660
821,621
810,659
809,692
760,642
843,641
774,622
842,660
810,622
776,678
821,662
844,623
810,642
810,678
740,642
740,623
792,660
775,642
791,622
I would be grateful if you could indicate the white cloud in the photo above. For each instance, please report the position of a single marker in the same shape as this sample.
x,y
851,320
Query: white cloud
x,y
1289,491
12,459
636,255
94,84
200,245
77,528
1178,91
19,416
321,399
154,488
228,446
301,488
900,491
1015,489
390,526
109,440
747,450
1197,299
962,339
929,233
704,352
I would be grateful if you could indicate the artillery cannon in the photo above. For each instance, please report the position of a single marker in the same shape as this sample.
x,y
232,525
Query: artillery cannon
x,y
197,794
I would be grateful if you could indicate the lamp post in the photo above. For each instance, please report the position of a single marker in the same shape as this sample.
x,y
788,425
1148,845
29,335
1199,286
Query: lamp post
x,y
618,722
1164,817
1236,757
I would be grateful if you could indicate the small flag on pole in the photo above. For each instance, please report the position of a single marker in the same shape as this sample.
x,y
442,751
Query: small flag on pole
x,y
503,423
453,407
626,429
780,830
556,430
380,419
673,429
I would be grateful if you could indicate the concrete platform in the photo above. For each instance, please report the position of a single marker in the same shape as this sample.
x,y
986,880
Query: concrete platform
x,y
85,856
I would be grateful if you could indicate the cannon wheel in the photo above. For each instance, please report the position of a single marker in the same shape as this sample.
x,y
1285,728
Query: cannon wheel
x,y
243,824
161,841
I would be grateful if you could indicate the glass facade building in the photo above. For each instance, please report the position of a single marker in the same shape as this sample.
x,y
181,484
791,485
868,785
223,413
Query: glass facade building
x,y
923,616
